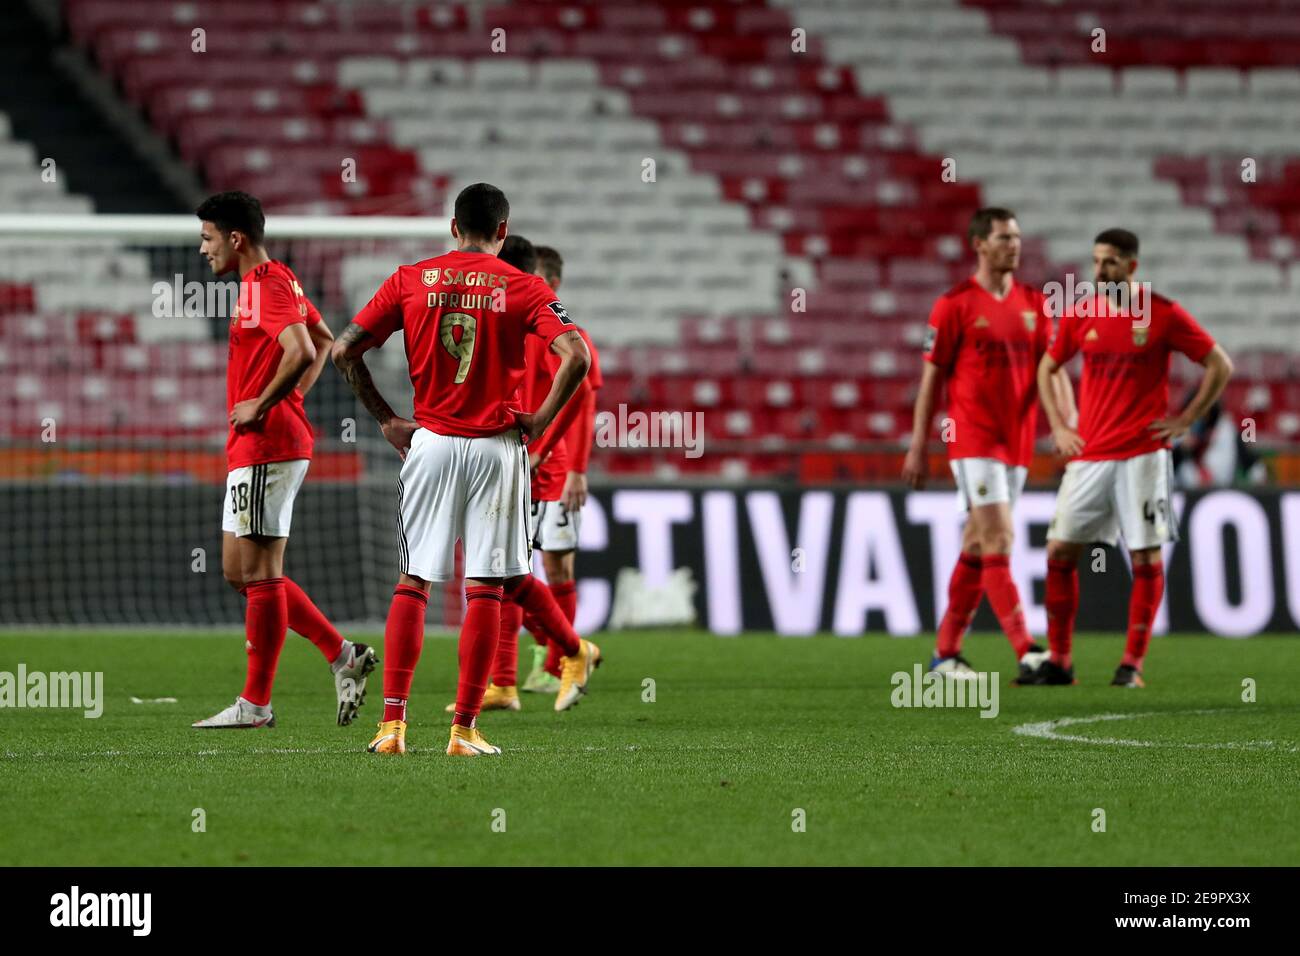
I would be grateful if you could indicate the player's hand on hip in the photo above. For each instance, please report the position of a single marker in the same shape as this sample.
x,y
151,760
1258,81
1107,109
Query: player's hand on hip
x,y
245,413
398,432
1068,442
574,495
1169,429
915,467
532,426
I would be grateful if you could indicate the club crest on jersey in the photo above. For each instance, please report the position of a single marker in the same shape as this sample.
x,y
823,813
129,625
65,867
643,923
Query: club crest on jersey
x,y
1031,320
430,276
1140,336
560,313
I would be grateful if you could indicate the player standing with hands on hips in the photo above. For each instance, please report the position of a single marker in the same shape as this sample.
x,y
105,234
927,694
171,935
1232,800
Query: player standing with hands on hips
x,y
278,346
1118,479
465,317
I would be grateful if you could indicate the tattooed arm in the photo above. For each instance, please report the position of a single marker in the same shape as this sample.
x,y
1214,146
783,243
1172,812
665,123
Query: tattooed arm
x,y
348,351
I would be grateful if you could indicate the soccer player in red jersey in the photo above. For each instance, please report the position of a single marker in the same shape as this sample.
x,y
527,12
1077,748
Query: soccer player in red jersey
x,y
552,528
465,317
278,345
1118,478
558,535
984,340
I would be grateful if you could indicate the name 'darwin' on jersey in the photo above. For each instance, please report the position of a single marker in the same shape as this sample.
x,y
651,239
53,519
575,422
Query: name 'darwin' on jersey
x,y
494,300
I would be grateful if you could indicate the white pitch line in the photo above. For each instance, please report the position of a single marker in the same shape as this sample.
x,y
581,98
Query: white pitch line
x,y
1048,730
10,755
282,751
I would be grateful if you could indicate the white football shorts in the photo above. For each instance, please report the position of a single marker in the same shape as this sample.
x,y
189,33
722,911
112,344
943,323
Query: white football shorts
x,y
552,528
472,489
1100,499
987,481
259,498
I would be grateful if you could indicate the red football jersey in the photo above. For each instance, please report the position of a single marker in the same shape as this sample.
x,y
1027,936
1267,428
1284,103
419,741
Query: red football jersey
x,y
270,300
989,350
548,483
465,317
1125,383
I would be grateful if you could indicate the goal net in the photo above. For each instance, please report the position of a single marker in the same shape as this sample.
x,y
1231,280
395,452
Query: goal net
x,y
113,341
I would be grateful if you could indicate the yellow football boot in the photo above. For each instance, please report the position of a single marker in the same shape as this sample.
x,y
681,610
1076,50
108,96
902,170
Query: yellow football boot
x,y
495,698
468,742
391,738
576,674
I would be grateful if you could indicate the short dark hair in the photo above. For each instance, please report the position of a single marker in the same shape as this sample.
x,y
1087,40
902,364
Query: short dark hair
x,y
1123,240
235,211
551,263
519,252
480,208
981,224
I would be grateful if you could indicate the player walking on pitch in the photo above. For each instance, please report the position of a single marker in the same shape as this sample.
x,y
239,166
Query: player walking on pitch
x,y
1118,478
278,345
984,340
465,317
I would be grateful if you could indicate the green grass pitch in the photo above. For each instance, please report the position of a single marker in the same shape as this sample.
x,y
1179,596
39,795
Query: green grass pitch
x,y
742,734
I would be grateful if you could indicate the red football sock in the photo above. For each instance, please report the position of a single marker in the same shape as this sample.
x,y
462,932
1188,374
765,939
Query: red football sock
x,y
964,592
305,618
540,607
403,641
554,658
1062,601
478,644
505,665
535,629
1148,588
1005,598
266,619
566,596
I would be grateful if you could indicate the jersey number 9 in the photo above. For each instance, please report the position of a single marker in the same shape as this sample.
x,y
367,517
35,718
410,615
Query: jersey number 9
x,y
462,351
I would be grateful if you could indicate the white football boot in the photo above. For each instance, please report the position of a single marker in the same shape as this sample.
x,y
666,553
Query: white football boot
x,y
350,673
241,715
955,667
